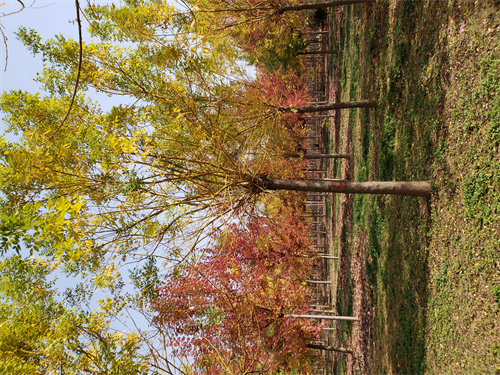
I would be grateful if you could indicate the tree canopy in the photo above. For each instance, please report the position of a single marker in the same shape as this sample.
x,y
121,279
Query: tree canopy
x,y
174,175
87,190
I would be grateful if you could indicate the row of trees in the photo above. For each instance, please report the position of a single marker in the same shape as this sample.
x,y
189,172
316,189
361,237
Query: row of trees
x,y
178,175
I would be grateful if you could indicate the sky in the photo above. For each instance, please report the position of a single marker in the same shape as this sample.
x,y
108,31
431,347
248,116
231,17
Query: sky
x,y
48,18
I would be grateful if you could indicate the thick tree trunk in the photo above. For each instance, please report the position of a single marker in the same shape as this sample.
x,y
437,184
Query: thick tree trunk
x,y
328,4
370,103
319,156
329,348
412,188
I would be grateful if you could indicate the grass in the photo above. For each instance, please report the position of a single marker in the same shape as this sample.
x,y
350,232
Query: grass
x,y
467,206
435,70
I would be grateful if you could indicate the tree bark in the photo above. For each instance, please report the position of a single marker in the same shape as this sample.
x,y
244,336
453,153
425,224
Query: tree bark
x,y
411,188
327,317
328,4
319,156
370,103
329,348
328,257
307,53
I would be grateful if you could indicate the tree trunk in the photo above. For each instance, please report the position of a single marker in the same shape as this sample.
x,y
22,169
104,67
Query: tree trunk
x,y
328,4
370,103
307,53
412,188
319,156
327,317
329,348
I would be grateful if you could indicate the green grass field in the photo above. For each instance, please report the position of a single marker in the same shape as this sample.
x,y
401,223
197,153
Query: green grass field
x,y
433,266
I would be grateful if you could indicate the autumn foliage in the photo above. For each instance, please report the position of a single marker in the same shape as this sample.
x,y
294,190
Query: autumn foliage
x,y
267,94
264,35
226,312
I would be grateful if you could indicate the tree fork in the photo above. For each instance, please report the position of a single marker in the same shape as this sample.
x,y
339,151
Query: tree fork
x,y
411,188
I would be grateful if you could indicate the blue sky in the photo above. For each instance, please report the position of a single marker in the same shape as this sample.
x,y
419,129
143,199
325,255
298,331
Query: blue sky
x,y
48,18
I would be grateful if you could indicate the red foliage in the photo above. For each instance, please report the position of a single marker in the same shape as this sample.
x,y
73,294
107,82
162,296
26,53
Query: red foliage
x,y
227,311
283,89
268,93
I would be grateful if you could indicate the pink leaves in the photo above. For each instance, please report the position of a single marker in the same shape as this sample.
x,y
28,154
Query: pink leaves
x,y
284,89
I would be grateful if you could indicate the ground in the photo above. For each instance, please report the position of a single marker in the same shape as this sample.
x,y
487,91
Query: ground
x,y
424,275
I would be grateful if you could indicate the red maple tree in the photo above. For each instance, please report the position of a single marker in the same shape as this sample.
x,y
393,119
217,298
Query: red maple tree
x,y
226,312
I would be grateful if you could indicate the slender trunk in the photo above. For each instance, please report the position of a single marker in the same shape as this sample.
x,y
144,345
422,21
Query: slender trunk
x,y
329,348
326,317
328,257
307,53
319,156
317,33
328,4
412,188
370,103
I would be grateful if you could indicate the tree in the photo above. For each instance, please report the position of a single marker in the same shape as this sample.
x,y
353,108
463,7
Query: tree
x,y
227,311
411,188
40,335
259,28
99,187
260,9
285,92
319,156
369,103
189,148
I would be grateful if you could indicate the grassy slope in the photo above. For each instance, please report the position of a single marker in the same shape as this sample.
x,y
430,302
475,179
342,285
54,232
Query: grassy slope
x,y
435,70
464,255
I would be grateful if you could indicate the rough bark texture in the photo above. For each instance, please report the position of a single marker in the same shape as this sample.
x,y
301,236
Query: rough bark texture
x,y
411,188
328,4
370,103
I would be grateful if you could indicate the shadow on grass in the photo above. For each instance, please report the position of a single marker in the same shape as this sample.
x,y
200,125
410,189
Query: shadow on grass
x,y
407,58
